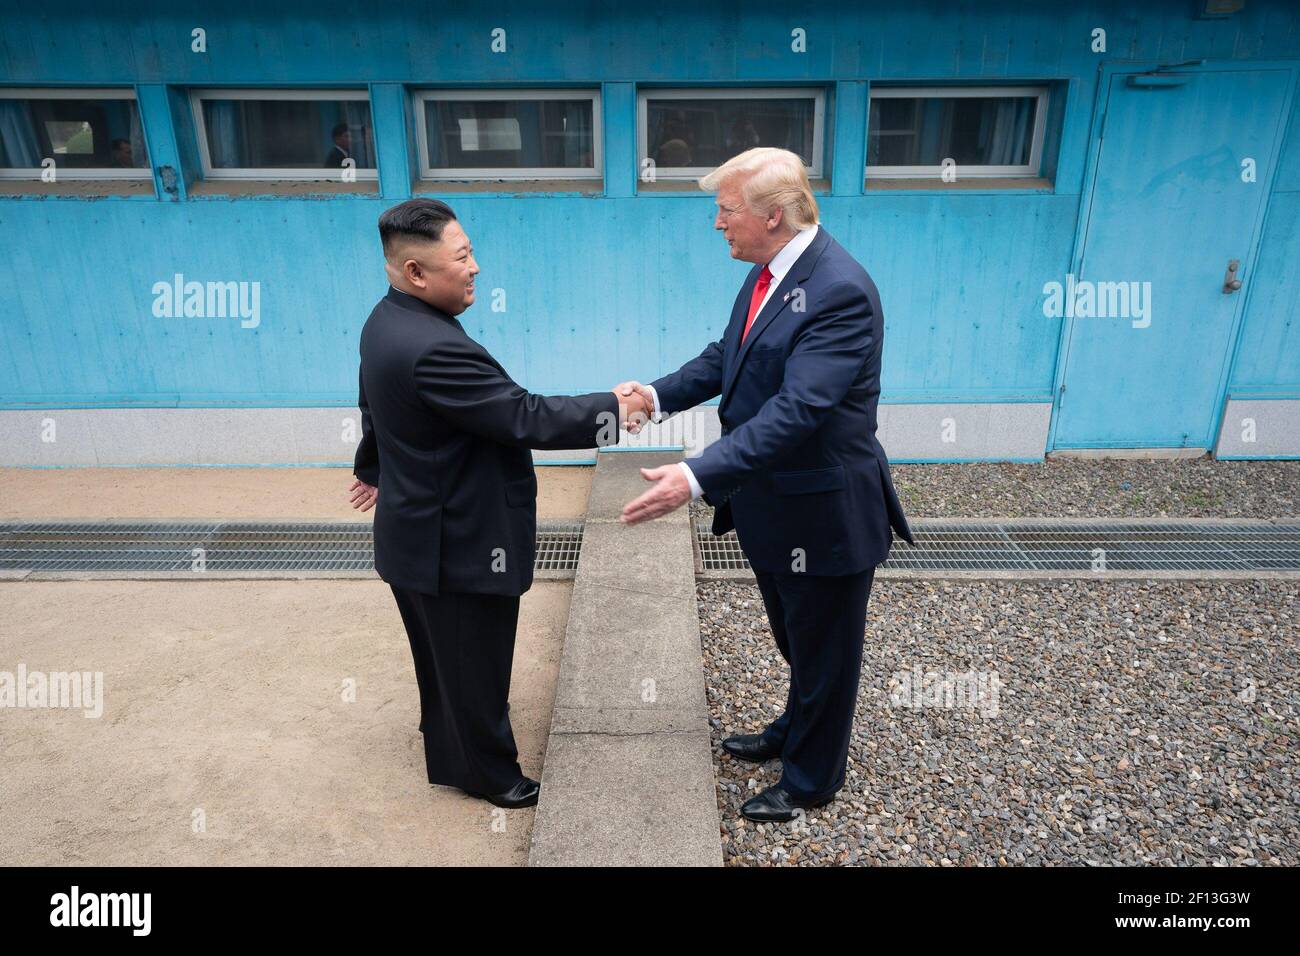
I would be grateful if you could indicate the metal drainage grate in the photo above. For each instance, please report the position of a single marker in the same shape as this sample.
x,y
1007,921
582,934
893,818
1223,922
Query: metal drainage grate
x,y
1060,546
157,546
558,546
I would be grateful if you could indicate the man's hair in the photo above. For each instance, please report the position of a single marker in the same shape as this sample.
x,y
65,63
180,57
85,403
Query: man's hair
x,y
114,144
339,128
419,219
773,177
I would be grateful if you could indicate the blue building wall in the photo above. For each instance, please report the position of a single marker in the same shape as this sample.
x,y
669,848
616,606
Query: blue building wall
x,y
599,288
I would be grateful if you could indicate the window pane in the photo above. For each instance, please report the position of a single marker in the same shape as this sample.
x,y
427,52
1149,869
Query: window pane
x,y
972,130
288,134
75,133
708,132
510,134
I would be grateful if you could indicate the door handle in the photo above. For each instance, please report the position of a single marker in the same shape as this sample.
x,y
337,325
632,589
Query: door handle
x,y
1231,283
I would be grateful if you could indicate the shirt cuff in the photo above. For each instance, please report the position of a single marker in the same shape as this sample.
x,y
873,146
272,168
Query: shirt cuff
x,y
655,416
696,490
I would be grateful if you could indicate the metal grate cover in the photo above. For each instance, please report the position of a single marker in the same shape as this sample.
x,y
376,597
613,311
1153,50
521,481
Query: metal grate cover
x,y
162,546
1061,546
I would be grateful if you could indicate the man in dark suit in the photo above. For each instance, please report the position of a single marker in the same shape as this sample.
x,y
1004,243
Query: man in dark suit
x,y
798,471
342,148
445,453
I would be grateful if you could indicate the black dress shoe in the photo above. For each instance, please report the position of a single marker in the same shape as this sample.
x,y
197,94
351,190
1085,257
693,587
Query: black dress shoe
x,y
522,794
775,805
750,747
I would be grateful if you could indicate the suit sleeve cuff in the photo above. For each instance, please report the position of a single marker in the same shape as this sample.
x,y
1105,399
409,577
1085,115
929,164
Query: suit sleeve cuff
x,y
655,415
696,490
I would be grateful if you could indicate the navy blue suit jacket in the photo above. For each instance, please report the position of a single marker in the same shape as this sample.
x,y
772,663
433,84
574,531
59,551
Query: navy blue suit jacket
x,y
798,471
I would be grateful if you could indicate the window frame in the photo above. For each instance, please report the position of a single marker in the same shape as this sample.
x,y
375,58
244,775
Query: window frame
x,y
307,173
84,173
1041,93
427,173
686,173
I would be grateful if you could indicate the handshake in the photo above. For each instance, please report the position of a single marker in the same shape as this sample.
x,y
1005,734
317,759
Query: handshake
x,y
636,406
670,489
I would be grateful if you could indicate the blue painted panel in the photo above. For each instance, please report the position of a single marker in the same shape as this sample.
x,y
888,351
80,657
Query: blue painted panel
x,y
1168,212
594,292
959,277
85,328
328,40
1288,169
597,288
1268,349
1268,354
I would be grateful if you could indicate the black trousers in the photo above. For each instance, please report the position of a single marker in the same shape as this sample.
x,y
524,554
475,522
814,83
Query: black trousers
x,y
819,624
463,645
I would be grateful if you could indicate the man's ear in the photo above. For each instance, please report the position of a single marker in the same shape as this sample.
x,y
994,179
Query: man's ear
x,y
774,219
413,273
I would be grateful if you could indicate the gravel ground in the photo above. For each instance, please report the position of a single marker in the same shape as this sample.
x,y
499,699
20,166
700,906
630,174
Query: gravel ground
x,y
1131,722
1110,488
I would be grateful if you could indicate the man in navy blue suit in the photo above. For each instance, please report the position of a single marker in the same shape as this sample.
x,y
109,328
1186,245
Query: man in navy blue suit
x,y
798,472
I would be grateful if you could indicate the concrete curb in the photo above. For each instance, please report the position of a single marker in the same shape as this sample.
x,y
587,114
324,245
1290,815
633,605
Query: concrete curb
x,y
628,775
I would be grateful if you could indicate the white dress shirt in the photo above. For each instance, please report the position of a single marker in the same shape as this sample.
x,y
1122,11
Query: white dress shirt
x,y
781,264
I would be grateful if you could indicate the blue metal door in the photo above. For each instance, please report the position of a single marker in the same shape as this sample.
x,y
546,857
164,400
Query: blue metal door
x,y
1149,325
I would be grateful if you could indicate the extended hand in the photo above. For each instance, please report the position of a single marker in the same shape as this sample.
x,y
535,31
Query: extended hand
x,y
635,405
671,491
363,496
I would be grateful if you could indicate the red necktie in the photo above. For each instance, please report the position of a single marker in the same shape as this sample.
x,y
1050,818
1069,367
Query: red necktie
x,y
756,299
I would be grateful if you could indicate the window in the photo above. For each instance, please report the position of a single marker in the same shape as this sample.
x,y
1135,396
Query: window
x,y
284,134
89,134
688,133
986,131
508,134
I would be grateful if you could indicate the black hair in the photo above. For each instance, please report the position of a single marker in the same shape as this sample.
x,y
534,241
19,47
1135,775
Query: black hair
x,y
414,219
340,128
114,144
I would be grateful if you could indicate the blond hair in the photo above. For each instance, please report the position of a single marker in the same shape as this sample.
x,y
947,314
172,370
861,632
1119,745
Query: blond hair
x,y
773,178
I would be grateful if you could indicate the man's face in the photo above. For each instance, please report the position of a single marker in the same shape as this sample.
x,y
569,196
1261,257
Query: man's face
x,y
344,141
443,272
746,232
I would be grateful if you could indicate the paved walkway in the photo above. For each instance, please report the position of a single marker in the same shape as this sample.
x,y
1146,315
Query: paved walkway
x,y
628,777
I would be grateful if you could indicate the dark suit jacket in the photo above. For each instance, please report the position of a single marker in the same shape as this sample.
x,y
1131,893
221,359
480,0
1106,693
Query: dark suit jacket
x,y
445,435
798,465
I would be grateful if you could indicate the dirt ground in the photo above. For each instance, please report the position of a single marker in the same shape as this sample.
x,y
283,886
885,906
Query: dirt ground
x,y
226,738
309,494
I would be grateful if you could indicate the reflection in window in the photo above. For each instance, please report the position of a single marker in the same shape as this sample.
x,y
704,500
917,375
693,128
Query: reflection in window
x,y
986,132
692,134
91,134
286,136
511,137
